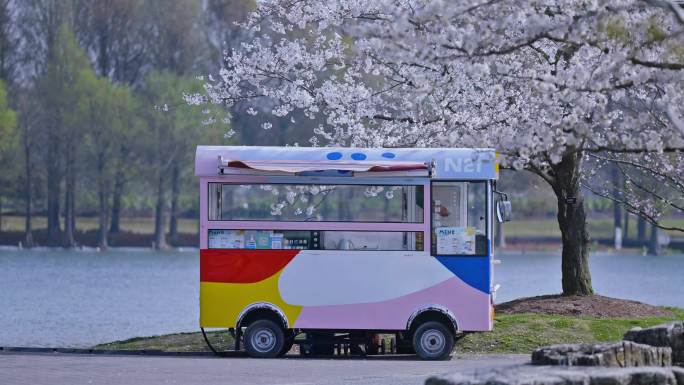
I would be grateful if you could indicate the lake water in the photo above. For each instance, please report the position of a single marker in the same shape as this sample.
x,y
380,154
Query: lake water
x,y
81,298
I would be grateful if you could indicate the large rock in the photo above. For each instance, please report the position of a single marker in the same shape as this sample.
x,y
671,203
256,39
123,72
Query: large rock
x,y
670,334
546,375
621,354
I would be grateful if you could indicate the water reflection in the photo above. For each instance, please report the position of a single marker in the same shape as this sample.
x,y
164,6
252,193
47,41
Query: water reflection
x,y
61,298
653,279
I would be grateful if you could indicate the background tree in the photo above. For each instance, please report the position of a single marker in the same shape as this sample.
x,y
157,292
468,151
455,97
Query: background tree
x,y
39,23
175,134
118,33
29,124
223,20
118,36
8,119
62,92
179,45
92,93
8,42
103,112
179,50
8,143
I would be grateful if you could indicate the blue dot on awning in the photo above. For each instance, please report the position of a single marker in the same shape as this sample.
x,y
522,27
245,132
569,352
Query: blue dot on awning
x,y
334,155
389,155
358,156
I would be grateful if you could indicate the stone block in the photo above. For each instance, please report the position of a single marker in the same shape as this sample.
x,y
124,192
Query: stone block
x,y
554,375
621,354
669,334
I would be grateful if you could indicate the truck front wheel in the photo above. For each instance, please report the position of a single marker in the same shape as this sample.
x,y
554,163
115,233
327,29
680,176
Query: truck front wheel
x,y
433,341
264,339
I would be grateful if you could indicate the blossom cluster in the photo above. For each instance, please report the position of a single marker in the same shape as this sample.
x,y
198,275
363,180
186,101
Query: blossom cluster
x,y
535,79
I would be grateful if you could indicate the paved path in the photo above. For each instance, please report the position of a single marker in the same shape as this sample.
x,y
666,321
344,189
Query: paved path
x,y
76,369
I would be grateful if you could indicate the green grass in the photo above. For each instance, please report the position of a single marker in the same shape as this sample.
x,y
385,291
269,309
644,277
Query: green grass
x,y
522,333
179,342
518,333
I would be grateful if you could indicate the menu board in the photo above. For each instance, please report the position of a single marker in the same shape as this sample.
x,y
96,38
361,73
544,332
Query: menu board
x,y
226,239
302,240
455,240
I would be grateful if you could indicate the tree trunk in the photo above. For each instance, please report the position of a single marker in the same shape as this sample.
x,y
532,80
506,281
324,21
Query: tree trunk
x,y
641,230
114,226
625,231
102,235
617,210
69,221
175,192
103,51
54,179
69,218
28,226
565,182
159,236
653,246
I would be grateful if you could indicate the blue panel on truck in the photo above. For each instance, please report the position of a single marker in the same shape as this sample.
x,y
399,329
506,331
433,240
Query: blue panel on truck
x,y
475,271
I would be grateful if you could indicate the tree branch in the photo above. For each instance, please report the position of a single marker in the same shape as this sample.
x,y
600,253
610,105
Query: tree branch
x,y
639,166
633,209
671,5
633,150
651,64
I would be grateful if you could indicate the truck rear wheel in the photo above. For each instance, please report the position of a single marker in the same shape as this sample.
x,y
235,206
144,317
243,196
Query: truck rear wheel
x,y
433,341
289,341
264,339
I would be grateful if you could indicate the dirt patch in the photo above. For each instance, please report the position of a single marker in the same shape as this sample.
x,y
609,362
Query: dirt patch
x,y
583,306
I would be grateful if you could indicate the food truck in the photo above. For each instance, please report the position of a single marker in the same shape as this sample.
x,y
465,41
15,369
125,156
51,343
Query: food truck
x,y
345,244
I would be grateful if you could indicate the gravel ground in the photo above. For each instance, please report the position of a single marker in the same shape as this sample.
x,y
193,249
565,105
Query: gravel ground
x,y
76,369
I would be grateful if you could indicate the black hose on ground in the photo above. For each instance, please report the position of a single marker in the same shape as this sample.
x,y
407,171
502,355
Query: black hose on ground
x,y
211,347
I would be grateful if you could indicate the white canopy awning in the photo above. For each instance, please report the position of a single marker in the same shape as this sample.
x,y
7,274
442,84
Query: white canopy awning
x,y
227,166
436,163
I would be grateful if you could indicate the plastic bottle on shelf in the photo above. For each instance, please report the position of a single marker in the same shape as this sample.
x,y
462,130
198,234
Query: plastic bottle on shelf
x,y
251,244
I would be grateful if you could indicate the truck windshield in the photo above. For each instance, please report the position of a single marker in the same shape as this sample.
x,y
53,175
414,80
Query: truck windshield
x,y
459,218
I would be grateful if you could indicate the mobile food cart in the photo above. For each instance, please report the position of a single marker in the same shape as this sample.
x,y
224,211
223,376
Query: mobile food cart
x,y
345,244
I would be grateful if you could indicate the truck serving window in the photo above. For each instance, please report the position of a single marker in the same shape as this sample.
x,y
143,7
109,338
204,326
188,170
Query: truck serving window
x,y
315,203
459,218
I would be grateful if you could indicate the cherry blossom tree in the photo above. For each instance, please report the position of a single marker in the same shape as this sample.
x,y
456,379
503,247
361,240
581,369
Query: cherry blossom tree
x,y
548,83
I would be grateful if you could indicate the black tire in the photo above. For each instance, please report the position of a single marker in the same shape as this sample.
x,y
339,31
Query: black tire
x,y
433,341
321,349
264,339
289,341
405,347
404,344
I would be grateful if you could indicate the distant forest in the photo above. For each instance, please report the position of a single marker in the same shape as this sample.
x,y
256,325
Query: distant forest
x,y
92,118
